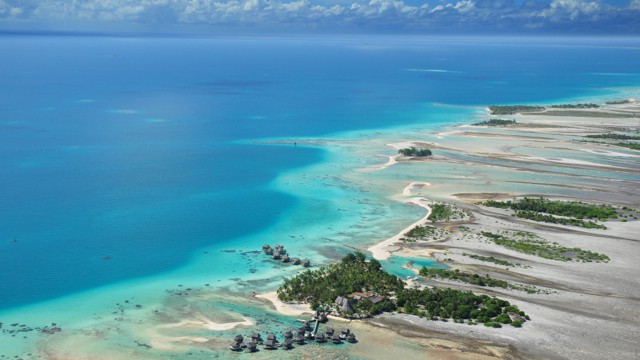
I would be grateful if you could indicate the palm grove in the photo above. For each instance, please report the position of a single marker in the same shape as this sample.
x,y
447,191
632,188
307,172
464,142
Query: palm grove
x,y
356,274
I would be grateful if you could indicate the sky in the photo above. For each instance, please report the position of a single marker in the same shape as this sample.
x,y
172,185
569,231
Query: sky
x,y
571,17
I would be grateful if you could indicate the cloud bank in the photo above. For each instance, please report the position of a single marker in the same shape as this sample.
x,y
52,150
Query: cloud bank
x,y
490,16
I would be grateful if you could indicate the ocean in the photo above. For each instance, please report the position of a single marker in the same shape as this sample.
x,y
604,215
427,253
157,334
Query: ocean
x,y
132,160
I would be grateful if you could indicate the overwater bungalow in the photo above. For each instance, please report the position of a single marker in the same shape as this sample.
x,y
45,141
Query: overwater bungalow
x,y
336,339
285,258
299,338
351,338
252,346
306,263
344,332
270,344
256,337
238,339
330,332
281,249
271,336
295,261
288,335
266,247
323,318
276,255
287,344
235,346
320,338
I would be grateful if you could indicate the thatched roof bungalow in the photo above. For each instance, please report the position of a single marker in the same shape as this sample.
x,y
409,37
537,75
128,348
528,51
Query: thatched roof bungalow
x,y
270,344
287,344
252,346
256,337
235,346
351,338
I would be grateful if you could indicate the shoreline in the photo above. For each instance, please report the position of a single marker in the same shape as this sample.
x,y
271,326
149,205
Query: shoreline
x,y
285,308
381,251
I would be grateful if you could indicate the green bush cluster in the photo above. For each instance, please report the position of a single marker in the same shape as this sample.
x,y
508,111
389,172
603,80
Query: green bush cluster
x,y
532,245
576,106
443,304
495,122
412,151
614,136
475,279
420,232
618,102
492,259
513,109
572,212
574,209
440,212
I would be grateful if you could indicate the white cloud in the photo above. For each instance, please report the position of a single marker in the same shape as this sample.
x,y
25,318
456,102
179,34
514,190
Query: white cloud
x,y
333,14
573,9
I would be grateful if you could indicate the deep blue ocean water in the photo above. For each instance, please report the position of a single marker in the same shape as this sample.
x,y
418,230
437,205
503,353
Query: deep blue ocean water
x,y
119,157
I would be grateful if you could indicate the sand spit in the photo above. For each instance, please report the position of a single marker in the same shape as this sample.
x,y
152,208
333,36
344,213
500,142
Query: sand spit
x,y
285,308
382,250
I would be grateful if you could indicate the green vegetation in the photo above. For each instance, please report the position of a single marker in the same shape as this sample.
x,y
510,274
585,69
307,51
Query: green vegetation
x,y
355,273
513,109
572,212
576,106
495,122
530,215
475,279
445,212
461,306
412,151
563,208
628,145
531,244
584,113
618,102
423,232
492,259
614,136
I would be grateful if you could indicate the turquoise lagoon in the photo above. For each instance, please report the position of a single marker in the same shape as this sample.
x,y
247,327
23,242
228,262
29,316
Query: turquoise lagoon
x,y
136,168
